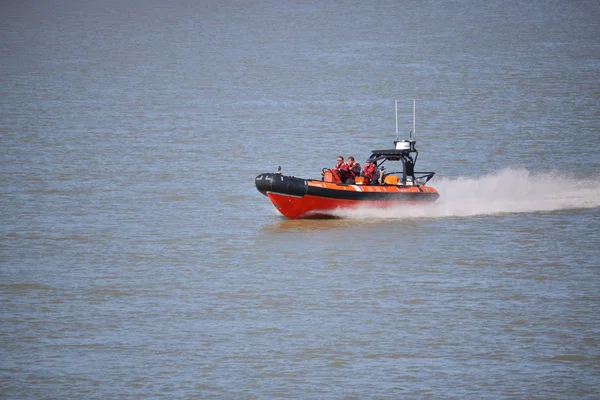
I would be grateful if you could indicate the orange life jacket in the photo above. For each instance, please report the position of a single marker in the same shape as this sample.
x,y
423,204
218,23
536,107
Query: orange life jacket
x,y
369,171
342,170
354,169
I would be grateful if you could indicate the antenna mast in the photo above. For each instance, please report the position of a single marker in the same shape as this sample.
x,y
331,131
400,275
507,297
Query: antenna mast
x,y
396,106
414,131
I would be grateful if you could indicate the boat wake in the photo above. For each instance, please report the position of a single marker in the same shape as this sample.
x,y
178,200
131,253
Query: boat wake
x,y
506,191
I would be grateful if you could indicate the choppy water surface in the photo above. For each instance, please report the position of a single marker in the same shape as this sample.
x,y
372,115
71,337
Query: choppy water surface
x,y
137,260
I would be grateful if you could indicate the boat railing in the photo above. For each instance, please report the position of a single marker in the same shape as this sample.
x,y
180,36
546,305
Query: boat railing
x,y
423,177
420,178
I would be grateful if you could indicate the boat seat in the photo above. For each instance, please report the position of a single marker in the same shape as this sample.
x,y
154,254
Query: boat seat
x,y
331,176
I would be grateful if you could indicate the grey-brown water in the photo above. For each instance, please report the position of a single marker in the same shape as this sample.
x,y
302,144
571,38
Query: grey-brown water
x,y
137,260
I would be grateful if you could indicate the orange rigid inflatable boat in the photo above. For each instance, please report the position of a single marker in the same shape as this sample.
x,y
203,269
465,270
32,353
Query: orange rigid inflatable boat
x,y
311,198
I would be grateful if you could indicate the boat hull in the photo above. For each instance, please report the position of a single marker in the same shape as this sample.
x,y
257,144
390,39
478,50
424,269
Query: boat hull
x,y
308,198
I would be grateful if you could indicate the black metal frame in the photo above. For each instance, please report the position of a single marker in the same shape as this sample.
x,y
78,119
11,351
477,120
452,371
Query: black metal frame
x,y
403,156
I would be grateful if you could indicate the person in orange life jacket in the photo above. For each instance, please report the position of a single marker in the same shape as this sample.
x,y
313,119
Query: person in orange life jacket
x,y
354,168
342,169
371,172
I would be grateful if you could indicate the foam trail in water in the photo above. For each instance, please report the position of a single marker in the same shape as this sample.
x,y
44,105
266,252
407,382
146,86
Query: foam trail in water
x,y
507,191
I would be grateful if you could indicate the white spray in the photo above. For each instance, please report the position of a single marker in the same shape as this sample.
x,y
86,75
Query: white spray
x,y
507,191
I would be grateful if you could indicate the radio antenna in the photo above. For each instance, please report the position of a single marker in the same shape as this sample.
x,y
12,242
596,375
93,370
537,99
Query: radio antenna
x,y
396,106
414,131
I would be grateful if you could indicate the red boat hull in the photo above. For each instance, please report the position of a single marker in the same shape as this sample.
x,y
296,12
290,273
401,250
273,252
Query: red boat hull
x,y
308,206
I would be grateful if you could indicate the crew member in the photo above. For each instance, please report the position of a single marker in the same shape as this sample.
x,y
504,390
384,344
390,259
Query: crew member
x,y
341,168
371,172
353,168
